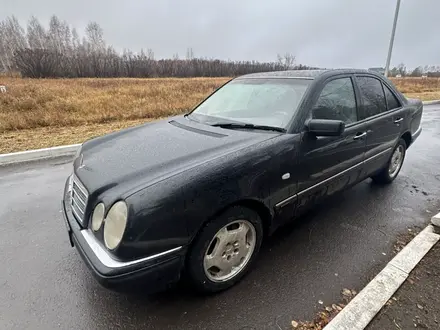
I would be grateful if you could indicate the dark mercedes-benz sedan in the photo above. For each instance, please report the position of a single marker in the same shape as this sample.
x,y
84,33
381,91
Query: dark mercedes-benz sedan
x,y
194,196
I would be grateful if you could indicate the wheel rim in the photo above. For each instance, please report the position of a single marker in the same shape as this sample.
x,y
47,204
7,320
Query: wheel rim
x,y
396,161
229,251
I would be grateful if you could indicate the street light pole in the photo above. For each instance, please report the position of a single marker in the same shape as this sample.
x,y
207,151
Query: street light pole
x,y
393,33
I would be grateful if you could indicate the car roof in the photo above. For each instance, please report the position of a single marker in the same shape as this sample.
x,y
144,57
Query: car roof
x,y
305,74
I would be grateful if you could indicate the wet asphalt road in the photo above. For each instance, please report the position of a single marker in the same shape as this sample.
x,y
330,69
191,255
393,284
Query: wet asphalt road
x,y
45,285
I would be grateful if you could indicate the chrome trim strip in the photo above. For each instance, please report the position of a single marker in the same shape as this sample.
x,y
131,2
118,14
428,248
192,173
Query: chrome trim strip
x,y
377,155
288,199
76,214
76,198
108,261
80,186
79,194
79,210
79,197
330,178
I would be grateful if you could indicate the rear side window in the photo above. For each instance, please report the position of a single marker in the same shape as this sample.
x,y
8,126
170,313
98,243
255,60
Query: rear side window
x,y
372,95
337,101
393,102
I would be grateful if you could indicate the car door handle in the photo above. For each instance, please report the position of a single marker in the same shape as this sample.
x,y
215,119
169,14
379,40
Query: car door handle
x,y
398,120
359,136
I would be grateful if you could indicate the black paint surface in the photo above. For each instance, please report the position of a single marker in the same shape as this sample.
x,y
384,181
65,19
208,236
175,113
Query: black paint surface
x,y
45,285
176,174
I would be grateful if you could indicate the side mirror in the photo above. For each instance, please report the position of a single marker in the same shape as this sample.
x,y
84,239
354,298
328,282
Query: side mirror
x,y
325,127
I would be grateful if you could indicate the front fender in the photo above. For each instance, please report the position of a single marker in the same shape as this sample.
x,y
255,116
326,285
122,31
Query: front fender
x,y
156,221
171,212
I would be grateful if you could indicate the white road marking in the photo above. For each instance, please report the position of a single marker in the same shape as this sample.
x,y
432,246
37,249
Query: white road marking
x,y
362,309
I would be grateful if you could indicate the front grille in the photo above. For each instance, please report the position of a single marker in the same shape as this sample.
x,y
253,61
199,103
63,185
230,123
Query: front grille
x,y
79,199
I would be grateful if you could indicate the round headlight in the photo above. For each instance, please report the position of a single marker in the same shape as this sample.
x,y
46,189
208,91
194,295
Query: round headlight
x,y
114,225
98,216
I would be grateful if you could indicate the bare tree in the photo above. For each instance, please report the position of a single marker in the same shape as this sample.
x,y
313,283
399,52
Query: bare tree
x,y
150,54
394,72
189,54
287,61
417,72
12,38
36,34
401,68
5,60
66,38
58,52
54,35
95,37
16,33
75,40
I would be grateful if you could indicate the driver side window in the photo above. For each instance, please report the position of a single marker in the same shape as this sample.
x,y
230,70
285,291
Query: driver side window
x,y
337,101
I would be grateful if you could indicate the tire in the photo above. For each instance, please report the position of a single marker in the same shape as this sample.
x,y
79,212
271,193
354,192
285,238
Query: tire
x,y
210,249
387,174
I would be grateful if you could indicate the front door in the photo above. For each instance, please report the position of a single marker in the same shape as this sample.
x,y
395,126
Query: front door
x,y
382,112
329,164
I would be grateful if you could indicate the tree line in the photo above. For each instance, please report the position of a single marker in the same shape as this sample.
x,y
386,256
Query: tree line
x,y
59,52
427,70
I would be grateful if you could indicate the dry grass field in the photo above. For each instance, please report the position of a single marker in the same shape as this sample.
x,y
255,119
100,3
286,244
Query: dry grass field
x,y
35,103
50,112
425,89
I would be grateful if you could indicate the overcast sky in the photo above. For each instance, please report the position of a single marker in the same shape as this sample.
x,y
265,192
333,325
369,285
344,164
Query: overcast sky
x,y
324,33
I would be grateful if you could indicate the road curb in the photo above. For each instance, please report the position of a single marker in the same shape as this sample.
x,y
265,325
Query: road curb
x,y
364,307
435,220
431,102
38,154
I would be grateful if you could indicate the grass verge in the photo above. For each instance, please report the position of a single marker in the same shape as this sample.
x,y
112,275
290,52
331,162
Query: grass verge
x,y
52,112
36,138
33,103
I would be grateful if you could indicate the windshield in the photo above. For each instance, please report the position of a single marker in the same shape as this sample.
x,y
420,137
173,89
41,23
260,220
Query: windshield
x,y
270,102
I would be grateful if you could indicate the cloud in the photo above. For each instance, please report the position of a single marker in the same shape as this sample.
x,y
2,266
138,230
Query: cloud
x,y
327,33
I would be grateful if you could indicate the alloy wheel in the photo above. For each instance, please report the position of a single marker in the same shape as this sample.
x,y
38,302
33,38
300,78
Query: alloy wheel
x,y
229,251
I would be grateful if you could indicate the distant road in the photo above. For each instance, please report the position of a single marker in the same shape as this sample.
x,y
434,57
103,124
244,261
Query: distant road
x,y
45,285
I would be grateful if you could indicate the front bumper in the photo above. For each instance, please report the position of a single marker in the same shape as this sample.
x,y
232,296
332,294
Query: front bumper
x,y
152,273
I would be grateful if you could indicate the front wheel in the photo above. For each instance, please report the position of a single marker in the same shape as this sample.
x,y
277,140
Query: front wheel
x,y
392,168
225,249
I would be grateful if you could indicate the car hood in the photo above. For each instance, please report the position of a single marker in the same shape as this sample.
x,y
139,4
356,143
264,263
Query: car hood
x,y
137,157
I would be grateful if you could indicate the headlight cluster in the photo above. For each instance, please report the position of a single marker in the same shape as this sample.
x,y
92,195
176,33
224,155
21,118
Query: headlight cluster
x,y
114,223
98,216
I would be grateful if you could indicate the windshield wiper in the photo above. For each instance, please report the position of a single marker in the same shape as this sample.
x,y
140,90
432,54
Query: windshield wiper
x,y
249,126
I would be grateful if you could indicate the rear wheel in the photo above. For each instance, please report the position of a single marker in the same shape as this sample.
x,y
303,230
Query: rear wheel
x,y
225,249
392,168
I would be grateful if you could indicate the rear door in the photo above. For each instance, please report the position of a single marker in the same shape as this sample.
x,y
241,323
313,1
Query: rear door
x,y
382,113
